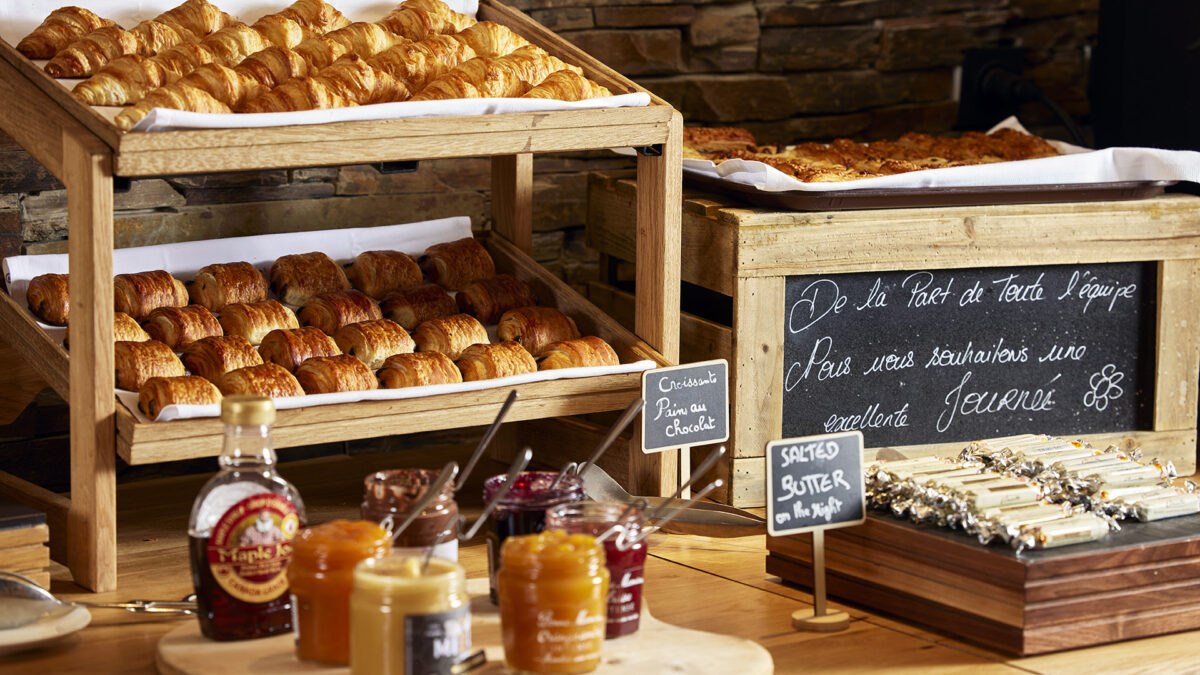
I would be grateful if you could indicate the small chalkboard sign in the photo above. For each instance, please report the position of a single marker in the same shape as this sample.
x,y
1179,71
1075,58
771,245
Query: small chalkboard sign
x,y
685,405
815,483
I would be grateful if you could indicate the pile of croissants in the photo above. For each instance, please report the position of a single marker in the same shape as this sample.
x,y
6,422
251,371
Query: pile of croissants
x,y
309,56
374,323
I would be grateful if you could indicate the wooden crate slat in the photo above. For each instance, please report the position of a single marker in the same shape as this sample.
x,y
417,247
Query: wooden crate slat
x,y
22,332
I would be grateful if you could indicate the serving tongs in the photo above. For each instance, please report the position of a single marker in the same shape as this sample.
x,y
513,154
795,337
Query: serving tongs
x,y
23,601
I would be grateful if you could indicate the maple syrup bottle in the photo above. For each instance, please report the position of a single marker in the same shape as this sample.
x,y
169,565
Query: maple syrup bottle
x,y
241,529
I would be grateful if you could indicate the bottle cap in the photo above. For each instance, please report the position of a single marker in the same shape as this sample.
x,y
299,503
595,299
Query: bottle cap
x,y
245,410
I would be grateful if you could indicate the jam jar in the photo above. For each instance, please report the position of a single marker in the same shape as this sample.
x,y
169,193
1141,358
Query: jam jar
x,y
626,561
523,508
396,493
553,588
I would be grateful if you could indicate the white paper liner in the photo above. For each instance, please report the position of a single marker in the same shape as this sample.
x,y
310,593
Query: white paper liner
x,y
184,259
1077,165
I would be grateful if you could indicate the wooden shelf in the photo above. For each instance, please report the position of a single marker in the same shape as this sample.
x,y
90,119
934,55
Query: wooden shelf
x,y
85,151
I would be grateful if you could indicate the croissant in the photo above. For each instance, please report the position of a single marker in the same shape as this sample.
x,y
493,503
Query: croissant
x,y
282,31
198,17
268,379
62,27
123,80
584,352
567,85
226,283
488,299
361,38
410,307
372,342
303,94
160,392
488,38
139,294
179,327
418,369
273,66
332,374
455,264
377,272
449,335
49,299
418,19
490,361
255,319
125,329
95,49
136,362
349,81
291,347
481,77
331,311
212,357
536,328
317,15
211,88
298,277
416,64
535,64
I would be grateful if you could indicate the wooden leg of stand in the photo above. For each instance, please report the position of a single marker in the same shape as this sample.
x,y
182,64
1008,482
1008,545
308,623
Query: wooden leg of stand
x,y
512,198
92,527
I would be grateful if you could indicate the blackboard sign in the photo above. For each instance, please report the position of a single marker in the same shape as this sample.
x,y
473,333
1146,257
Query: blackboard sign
x,y
815,482
685,405
910,358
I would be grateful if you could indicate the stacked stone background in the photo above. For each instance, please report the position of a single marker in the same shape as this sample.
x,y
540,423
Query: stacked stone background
x,y
789,70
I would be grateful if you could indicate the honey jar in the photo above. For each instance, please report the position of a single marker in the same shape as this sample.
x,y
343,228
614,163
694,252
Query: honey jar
x,y
553,588
321,574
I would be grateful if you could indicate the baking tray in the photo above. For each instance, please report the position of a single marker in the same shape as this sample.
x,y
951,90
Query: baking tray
x,y
902,198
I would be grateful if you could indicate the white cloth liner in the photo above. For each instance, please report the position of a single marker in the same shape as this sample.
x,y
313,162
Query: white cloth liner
x,y
184,259
1076,165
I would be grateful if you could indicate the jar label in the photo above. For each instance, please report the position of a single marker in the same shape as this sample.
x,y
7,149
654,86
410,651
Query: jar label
x,y
251,545
434,643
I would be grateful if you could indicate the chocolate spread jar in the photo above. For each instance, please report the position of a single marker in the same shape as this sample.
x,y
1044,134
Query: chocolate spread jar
x,y
396,493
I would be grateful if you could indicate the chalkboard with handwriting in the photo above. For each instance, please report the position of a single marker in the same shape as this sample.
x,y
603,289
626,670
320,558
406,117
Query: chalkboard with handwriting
x,y
685,405
815,482
917,357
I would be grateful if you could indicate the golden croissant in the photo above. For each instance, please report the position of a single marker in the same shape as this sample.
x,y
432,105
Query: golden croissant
x,y
349,81
316,15
488,38
567,85
62,27
364,39
304,94
224,86
419,19
481,77
95,49
185,97
273,66
416,64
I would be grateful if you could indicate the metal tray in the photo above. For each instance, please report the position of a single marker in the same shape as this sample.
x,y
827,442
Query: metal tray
x,y
898,198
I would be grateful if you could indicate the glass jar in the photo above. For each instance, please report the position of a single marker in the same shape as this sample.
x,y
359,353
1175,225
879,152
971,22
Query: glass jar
x,y
321,575
552,588
523,508
396,493
625,567
393,599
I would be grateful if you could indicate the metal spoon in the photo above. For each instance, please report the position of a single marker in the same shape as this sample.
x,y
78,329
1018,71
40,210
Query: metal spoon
x,y
23,601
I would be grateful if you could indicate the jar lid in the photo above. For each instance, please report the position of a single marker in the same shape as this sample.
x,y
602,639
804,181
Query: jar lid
x,y
245,410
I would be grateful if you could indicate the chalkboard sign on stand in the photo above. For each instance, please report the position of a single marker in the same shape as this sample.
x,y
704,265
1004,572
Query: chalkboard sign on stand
x,y
685,405
815,483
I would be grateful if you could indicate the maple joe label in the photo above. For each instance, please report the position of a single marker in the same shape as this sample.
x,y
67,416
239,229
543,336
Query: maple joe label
x,y
251,545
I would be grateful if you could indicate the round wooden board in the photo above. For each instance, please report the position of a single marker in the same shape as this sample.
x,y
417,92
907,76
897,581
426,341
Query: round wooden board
x,y
656,648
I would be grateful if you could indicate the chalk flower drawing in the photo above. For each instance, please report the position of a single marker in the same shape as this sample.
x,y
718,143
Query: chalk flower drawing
x,y
1105,387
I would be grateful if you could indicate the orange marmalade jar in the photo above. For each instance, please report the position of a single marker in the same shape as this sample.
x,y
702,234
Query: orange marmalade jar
x,y
321,575
553,590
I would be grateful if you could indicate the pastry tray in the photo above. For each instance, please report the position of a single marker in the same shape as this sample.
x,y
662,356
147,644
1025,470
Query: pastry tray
x,y
917,197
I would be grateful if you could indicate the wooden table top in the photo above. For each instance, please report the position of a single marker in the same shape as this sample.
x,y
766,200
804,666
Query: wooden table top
x,y
715,585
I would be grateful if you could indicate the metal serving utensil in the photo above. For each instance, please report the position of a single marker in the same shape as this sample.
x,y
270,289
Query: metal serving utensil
x,y
23,601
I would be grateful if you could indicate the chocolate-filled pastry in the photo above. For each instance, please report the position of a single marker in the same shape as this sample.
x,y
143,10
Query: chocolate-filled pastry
x,y
298,277
136,362
139,294
490,361
450,335
411,307
377,272
125,329
212,357
582,353
418,369
268,379
181,326
331,311
48,298
332,374
160,392
372,342
255,319
536,327
488,299
455,264
293,346
226,283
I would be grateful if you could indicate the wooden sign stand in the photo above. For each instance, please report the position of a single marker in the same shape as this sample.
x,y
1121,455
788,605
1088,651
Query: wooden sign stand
x,y
688,403
818,619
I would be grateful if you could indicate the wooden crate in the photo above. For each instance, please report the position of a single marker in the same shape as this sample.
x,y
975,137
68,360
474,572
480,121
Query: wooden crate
x,y
747,253
85,151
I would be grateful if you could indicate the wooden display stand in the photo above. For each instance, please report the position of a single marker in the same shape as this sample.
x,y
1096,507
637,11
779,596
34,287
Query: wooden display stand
x,y
747,253
85,151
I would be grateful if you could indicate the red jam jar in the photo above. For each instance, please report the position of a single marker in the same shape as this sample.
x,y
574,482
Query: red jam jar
x,y
523,508
625,567
396,493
